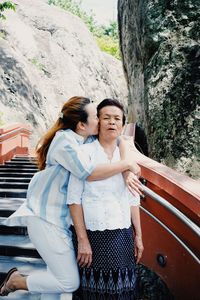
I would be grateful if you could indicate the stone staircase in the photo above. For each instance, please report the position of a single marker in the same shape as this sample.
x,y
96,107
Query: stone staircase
x,y
15,246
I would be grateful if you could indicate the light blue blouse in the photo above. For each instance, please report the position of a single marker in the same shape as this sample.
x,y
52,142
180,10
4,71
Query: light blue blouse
x,y
106,203
47,191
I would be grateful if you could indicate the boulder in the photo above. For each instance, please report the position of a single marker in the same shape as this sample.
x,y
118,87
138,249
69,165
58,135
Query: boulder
x,y
48,55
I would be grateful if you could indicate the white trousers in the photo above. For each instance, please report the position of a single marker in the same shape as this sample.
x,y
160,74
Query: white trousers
x,y
56,249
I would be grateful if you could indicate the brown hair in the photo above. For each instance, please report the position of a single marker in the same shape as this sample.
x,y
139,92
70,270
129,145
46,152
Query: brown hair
x,y
73,111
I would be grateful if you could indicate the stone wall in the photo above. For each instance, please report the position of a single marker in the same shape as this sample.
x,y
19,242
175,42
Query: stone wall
x,y
161,57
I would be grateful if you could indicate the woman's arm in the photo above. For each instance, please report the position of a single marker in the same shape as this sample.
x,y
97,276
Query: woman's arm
x,y
76,160
130,178
84,257
74,200
125,147
103,171
135,217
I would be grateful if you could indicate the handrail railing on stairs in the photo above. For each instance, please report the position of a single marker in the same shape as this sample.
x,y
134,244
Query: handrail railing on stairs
x,y
14,139
170,216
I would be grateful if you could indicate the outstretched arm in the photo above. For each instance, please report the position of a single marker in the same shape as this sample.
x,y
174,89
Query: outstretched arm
x,y
74,158
103,171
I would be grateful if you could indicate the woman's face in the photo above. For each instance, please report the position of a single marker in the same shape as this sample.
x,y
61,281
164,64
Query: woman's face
x,y
110,122
91,126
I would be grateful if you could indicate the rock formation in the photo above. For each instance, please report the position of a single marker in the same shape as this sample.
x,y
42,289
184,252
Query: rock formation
x,y
46,56
161,56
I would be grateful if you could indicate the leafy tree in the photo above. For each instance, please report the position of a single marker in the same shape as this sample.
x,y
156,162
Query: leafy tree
x,y
111,30
6,5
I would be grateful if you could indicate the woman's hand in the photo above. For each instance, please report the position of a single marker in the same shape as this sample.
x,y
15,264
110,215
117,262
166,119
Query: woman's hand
x,y
132,182
135,168
84,257
139,248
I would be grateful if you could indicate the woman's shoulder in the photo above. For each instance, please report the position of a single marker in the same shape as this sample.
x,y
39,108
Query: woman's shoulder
x,y
65,135
90,148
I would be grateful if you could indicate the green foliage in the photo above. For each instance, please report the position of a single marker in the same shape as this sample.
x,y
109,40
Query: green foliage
x,y
111,30
106,36
109,45
6,5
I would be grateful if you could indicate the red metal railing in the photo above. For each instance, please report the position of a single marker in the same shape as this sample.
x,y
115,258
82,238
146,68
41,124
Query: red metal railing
x,y
171,239
14,139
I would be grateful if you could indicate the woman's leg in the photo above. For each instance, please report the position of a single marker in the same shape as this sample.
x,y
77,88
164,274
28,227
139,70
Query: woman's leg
x,y
56,249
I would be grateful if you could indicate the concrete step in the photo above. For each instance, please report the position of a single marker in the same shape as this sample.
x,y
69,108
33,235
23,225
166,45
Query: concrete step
x,y
21,193
15,179
24,264
17,170
13,185
17,245
20,166
20,162
9,206
28,158
16,175
11,230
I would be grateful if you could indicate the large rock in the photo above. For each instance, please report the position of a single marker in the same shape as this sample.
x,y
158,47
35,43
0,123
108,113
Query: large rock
x,y
161,55
46,56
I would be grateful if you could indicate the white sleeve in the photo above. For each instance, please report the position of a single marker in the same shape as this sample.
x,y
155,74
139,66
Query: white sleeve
x,y
74,190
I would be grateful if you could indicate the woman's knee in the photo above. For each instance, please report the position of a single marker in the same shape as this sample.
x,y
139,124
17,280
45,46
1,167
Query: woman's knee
x,y
71,284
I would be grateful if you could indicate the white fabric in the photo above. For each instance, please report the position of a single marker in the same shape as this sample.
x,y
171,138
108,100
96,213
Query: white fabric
x,y
106,203
56,248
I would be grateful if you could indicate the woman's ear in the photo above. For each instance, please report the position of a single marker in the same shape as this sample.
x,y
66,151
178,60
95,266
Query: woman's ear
x,y
80,126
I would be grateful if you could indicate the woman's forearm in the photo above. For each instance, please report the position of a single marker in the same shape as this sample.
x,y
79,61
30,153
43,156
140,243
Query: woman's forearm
x,y
138,244
76,212
84,256
126,152
135,217
103,171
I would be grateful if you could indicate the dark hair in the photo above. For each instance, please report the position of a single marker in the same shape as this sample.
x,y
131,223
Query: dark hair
x,y
111,102
73,111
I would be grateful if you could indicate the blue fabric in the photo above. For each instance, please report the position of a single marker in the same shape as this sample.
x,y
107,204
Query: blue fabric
x,y
47,191
112,272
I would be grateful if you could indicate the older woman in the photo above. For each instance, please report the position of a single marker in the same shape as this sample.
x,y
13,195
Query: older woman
x,y
109,209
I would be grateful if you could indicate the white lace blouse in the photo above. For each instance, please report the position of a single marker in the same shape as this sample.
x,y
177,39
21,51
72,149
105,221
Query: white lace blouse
x,y
106,203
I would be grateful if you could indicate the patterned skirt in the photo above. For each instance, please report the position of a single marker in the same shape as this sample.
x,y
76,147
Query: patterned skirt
x,y
112,272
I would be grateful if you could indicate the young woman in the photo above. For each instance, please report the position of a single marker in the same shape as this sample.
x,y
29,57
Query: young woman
x,y
45,212
109,209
